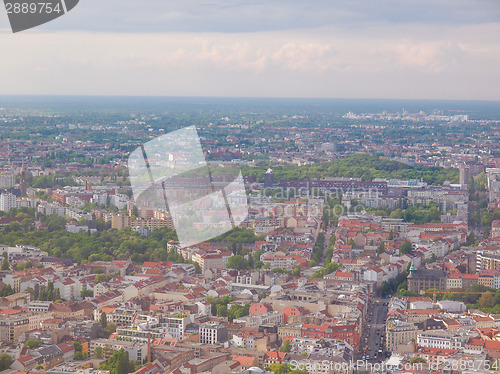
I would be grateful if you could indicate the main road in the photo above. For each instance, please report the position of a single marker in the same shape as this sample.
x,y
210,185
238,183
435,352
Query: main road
x,y
373,337
330,230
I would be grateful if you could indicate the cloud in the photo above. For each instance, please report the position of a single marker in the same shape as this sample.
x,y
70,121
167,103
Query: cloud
x,y
292,48
230,16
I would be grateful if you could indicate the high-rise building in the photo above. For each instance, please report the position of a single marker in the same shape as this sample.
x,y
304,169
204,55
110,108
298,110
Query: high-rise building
x,y
464,175
7,201
7,180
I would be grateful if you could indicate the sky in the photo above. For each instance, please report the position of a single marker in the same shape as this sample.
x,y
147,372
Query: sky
x,y
401,49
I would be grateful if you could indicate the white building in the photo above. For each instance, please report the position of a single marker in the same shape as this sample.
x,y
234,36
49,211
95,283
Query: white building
x,y
212,333
7,180
243,340
271,318
496,282
75,228
50,209
39,306
451,306
442,339
78,214
70,288
20,251
119,200
137,351
7,202
374,274
304,345
204,308
176,326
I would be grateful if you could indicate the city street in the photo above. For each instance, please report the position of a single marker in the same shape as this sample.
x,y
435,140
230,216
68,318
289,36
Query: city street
x,y
373,338
328,235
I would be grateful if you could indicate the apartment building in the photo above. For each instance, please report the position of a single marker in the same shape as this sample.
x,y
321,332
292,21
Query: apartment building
x,y
442,339
11,327
424,279
212,333
208,260
348,333
399,333
137,351
488,261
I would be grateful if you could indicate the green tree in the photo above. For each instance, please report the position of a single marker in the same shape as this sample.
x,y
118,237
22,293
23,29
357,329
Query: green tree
x,y
406,248
118,363
237,262
5,264
33,344
103,320
471,239
380,248
417,360
197,268
78,346
86,293
79,356
282,368
102,278
55,223
286,346
57,294
110,328
98,352
222,311
7,291
5,361
391,235
238,311
26,224
496,298
50,291
486,300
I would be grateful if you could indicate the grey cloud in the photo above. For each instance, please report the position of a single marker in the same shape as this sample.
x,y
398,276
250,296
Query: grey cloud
x,y
229,16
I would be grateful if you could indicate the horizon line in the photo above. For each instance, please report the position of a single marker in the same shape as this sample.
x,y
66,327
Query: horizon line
x,y
237,97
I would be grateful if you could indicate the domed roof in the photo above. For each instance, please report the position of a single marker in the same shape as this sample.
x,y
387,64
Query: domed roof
x,y
254,370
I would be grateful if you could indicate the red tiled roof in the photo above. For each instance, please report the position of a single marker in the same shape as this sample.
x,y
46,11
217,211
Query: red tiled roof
x,y
492,344
275,356
476,342
437,351
245,361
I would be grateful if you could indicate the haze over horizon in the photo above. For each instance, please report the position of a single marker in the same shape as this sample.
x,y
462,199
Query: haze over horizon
x,y
446,50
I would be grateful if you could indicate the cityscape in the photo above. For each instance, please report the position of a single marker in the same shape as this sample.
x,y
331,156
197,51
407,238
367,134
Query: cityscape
x,y
371,242
250,187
